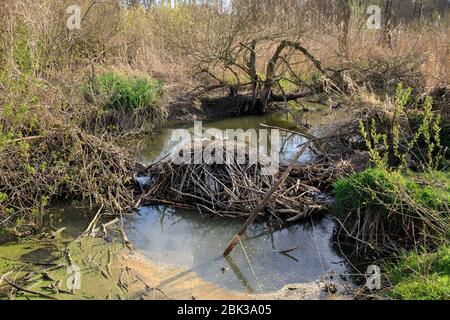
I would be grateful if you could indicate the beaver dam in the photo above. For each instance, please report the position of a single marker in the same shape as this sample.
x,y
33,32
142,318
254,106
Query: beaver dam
x,y
233,189
234,186
186,210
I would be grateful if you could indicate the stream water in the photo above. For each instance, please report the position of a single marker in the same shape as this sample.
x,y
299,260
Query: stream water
x,y
258,264
315,123
181,238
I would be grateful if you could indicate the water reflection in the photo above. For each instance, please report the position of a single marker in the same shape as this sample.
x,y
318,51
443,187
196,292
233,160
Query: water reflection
x,y
267,259
160,145
185,239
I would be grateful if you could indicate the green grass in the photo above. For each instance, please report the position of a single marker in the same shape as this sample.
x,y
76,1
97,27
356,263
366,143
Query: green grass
x,y
421,276
378,188
123,92
361,189
430,189
23,55
387,211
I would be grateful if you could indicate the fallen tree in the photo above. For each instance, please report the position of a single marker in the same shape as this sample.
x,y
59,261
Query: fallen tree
x,y
241,61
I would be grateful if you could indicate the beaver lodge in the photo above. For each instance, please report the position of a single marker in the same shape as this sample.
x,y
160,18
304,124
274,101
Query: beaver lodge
x,y
235,188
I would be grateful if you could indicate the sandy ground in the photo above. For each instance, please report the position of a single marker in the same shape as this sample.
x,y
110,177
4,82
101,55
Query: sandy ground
x,y
179,284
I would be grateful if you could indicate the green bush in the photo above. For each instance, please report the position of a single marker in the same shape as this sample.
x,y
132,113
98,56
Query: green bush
x,y
379,188
386,210
363,189
421,276
390,145
127,93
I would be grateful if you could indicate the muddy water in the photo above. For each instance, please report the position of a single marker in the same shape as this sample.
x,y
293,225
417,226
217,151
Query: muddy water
x,y
315,123
268,259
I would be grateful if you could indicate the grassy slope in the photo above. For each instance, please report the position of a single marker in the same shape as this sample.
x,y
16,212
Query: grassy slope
x,y
415,275
423,276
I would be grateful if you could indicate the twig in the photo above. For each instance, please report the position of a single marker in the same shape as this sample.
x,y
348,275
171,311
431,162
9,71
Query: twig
x,y
12,284
265,201
93,222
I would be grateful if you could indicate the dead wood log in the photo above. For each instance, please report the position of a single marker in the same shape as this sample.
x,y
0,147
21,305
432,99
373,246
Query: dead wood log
x,y
248,104
265,201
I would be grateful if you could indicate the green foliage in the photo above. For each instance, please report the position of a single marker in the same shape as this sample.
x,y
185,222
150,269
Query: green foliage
x,y
23,55
387,211
392,143
387,207
3,197
128,93
288,85
432,287
373,143
423,276
431,189
17,119
379,189
373,187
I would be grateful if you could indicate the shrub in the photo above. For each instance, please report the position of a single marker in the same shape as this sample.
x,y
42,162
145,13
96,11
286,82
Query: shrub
x,y
387,207
386,210
127,93
396,143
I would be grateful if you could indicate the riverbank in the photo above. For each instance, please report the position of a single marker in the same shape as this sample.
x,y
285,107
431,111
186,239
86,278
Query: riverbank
x,y
180,288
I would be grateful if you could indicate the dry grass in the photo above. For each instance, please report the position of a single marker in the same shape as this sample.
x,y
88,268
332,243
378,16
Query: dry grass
x,y
170,43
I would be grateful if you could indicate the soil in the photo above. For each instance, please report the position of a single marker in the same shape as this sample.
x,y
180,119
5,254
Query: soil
x,y
208,108
181,284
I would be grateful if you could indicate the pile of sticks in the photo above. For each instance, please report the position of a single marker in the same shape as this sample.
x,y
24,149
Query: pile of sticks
x,y
65,163
233,189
